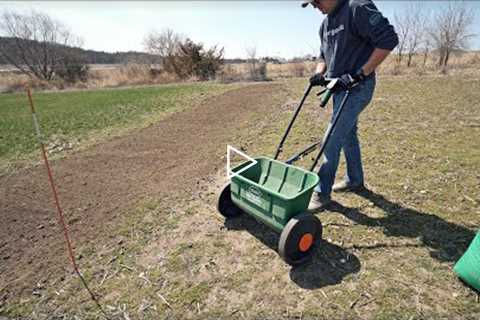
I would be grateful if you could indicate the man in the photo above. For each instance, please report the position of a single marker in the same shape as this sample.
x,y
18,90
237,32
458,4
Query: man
x,y
355,39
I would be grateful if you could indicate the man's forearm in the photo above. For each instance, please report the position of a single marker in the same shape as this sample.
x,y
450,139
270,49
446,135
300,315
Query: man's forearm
x,y
376,58
321,68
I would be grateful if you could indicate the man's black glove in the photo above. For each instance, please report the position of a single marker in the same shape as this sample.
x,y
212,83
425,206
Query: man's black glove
x,y
348,80
318,80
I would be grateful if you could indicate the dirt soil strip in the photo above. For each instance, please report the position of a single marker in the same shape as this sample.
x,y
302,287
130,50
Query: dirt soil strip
x,y
98,185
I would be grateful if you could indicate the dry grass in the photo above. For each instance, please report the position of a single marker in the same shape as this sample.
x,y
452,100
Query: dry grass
x,y
289,70
240,71
13,82
387,254
233,72
465,64
128,74
118,76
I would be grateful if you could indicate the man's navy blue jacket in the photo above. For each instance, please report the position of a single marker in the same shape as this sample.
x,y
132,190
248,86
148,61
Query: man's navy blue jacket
x,y
350,33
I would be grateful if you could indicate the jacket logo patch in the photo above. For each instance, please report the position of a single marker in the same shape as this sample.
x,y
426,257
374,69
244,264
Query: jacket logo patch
x,y
333,32
375,19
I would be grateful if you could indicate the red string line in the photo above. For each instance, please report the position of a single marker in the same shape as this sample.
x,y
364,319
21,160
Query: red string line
x,y
61,219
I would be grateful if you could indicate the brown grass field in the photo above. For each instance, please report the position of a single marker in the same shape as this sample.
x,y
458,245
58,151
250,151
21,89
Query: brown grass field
x,y
140,204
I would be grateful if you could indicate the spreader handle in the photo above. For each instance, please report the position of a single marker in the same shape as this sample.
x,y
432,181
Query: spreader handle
x,y
325,97
295,114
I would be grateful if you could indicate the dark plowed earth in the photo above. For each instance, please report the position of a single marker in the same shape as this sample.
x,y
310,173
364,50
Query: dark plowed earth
x,y
97,186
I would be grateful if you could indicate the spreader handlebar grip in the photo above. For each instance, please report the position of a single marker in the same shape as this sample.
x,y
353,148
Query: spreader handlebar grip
x,y
325,97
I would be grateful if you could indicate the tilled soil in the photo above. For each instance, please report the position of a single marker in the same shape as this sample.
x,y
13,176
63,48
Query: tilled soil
x,y
98,185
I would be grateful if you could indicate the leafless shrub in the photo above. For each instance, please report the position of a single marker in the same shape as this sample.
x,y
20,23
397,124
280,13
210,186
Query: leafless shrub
x,y
193,60
184,57
257,69
72,68
261,72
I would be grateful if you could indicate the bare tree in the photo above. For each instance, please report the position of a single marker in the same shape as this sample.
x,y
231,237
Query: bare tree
x,y
165,44
416,21
35,43
426,45
252,61
450,31
410,27
402,27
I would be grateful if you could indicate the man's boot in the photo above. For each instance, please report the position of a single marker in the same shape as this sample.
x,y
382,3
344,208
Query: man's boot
x,y
344,186
319,202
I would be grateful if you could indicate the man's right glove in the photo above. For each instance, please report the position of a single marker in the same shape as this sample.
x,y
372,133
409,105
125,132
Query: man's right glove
x,y
348,80
318,80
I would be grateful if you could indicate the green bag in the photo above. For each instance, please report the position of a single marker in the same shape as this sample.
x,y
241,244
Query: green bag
x,y
468,267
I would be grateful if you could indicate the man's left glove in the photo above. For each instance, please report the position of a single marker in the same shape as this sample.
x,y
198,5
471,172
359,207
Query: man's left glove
x,y
348,80
318,80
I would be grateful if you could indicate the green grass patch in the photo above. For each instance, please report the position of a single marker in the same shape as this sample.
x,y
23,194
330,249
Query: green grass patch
x,y
77,116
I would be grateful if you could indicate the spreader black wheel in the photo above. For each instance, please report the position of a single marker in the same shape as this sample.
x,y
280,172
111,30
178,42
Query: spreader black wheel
x,y
225,204
298,238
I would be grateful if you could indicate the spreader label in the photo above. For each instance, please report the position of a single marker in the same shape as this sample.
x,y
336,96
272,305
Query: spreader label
x,y
253,194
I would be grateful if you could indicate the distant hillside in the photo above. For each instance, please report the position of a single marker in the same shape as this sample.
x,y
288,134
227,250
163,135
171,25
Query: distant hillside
x,y
101,57
90,56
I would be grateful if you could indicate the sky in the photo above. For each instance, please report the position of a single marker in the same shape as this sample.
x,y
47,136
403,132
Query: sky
x,y
275,28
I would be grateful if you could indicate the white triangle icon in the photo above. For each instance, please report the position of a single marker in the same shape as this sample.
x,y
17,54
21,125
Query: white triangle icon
x,y
230,173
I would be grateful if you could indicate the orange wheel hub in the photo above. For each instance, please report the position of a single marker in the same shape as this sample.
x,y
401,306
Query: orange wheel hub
x,y
305,242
